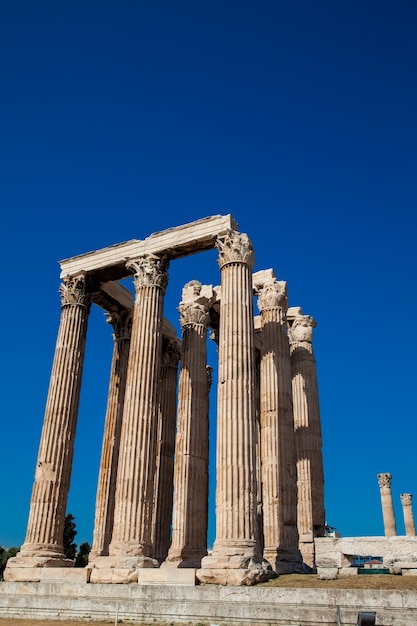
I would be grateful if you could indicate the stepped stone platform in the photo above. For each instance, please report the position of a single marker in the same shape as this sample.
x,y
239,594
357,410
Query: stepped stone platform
x,y
204,604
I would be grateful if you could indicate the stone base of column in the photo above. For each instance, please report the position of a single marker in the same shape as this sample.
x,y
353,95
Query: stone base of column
x,y
29,559
184,560
122,566
234,563
286,561
119,569
308,553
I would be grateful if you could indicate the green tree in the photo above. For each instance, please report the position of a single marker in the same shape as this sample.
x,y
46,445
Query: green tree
x,y
81,559
5,555
70,548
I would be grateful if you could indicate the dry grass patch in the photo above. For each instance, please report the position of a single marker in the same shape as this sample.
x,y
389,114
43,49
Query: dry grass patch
x,y
362,581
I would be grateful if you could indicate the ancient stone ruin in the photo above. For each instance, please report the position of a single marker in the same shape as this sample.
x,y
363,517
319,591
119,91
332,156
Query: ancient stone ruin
x,y
151,508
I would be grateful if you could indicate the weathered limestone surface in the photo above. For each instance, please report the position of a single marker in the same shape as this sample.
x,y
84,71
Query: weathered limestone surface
x,y
236,557
339,552
308,441
104,515
43,543
277,449
255,468
167,417
190,518
132,532
384,482
110,263
257,606
407,504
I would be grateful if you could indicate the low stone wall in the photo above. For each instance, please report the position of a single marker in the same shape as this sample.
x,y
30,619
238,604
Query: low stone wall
x,y
339,552
204,604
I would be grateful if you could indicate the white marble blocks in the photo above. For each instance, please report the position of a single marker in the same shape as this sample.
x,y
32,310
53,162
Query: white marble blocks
x,y
154,463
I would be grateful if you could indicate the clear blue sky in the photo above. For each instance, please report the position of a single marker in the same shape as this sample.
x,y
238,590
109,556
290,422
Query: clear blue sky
x,y
299,118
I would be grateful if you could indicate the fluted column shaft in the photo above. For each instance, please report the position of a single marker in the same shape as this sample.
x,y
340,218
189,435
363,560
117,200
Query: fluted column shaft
x,y
167,415
308,440
406,501
132,531
104,514
189,527
279,487
53,470
384,482
235,551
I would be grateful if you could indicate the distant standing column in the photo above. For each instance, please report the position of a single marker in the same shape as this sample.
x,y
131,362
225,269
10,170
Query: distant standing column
x,y
384,482
406,501
104,515
279,481
167,417
45,529
132,532
236,557
308,441
189,526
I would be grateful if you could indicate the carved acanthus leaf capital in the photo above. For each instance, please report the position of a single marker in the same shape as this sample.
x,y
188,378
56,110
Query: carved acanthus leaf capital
x,y
195,304
302,329
406,499
122,324
150,270
234,247
384,480
73,291
194,313
272,296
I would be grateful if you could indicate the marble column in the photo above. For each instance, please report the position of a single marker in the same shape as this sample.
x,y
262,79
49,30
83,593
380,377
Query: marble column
x,y
236,557
43,545
190,516
384,482
167,416
278,460
131,544
406,501
308,440
104,514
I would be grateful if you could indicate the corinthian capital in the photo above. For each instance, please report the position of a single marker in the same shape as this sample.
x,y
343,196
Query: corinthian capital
x,y
384,480
406,498
122,324
73,291
234,247
149,271
193,313
302,329
195,304
272,296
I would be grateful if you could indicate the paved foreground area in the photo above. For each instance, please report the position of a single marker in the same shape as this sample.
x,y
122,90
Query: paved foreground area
x,y
36,622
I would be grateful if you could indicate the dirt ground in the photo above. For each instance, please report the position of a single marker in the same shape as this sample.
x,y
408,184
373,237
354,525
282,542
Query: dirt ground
x,y
362,581
374,581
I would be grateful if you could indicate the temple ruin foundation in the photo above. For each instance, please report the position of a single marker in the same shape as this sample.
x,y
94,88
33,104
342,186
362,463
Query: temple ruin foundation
x,y
269,473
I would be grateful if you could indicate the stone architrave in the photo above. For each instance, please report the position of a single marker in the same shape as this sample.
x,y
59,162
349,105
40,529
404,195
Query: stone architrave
x,y
308,440
236,557
131,544
407,504
43,546
167,415
278,459
104,514
384,482
190,516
